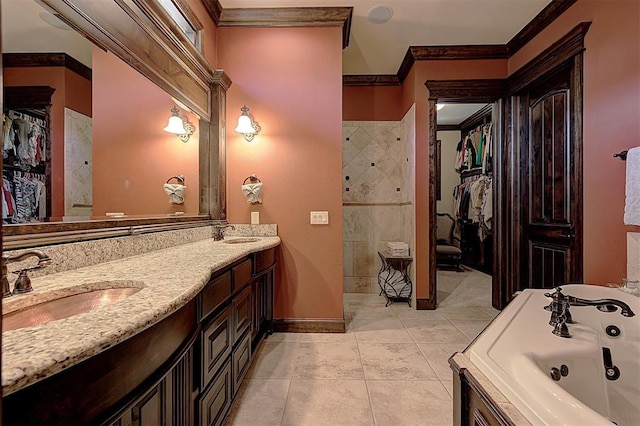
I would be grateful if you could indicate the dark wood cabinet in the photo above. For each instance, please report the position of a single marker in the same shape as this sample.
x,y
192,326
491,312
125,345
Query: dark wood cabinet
x,y
216,399
183,370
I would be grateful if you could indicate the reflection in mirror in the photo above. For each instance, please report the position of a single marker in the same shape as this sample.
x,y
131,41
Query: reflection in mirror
x,y
97,148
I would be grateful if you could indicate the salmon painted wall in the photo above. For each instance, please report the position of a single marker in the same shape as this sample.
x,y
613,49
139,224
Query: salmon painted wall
x,y
611,122
132,156
73,92
291,80
210,36
372,103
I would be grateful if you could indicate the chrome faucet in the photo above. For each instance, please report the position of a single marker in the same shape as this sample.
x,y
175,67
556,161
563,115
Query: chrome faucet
x,y
218,231
560,315
23,282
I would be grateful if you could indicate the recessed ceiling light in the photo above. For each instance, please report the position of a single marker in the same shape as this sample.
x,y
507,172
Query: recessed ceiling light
x,y
54,21
379,14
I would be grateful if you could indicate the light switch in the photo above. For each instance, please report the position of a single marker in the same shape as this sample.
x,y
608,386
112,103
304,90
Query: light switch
x,y
319,218
255,218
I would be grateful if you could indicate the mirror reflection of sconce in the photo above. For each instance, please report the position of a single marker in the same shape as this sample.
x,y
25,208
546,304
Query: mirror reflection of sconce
x,y
246,125
179,125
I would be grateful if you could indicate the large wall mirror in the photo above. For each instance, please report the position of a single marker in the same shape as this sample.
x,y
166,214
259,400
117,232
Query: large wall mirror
x,y
84,144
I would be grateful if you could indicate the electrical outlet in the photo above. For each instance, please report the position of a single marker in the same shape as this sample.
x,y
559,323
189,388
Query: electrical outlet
x,y
319,218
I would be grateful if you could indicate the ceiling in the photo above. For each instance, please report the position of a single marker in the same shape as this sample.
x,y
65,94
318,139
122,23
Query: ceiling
x,y
380,48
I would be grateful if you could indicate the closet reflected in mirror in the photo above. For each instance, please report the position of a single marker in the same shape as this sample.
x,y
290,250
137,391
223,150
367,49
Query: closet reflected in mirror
x,y
82,130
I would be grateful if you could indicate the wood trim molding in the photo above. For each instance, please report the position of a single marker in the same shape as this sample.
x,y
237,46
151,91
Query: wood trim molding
x,y
447,127
458,52
214,8
477,118
487,90
309,325
370,80
19,60
562,50
549,14
27,97
290,17
426,304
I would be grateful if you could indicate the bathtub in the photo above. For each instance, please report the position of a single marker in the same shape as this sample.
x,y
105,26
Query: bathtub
x,y
517,353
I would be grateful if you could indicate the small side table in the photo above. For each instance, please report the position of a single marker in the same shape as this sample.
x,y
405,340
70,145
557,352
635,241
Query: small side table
x,y
393,278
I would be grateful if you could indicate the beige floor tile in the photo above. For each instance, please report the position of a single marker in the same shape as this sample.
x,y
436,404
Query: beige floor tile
x,y
328,361
399,403
368,312
328,337
394,361
406,312
274,360
328,402
471,328
448,385
383,330
262,399
284,337
439,331
438,355
465,313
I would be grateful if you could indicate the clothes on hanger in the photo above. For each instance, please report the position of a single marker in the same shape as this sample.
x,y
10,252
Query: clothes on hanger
x,y
474,150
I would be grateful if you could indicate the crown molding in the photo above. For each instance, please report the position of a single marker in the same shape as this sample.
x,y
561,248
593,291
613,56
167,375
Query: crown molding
x,y
282,17
546,16
355,80
46,60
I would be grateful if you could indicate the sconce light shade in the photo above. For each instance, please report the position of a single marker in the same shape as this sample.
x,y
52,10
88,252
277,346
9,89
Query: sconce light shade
x,y
179,125
246,125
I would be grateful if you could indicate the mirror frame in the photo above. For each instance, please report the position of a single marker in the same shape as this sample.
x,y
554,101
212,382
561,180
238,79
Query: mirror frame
x,y
172,62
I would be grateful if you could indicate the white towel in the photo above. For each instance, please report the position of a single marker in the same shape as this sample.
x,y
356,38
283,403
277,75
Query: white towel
x,y
175,191
253,192
632,190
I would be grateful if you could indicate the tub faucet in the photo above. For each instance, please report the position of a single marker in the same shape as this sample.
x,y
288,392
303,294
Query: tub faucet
x,y
218,231
560,315
23,283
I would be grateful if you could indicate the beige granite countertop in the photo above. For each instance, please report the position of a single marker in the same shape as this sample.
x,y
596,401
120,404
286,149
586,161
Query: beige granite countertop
x,y
169,278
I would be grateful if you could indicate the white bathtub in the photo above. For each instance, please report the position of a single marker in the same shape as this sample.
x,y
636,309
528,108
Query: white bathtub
x,y
517,352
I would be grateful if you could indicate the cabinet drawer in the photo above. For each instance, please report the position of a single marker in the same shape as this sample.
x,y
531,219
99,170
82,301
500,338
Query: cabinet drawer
x,y
241,360
216,400
263,260
214,293
241,313
216,343
241,274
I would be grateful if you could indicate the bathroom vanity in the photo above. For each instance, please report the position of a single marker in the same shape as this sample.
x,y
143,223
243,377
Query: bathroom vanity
x,y
173,352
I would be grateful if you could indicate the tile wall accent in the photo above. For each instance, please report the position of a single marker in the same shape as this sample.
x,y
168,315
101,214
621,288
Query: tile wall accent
x,y
86,253
377,195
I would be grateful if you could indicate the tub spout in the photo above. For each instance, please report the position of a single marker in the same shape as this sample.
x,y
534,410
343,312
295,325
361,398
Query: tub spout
x,y
603,305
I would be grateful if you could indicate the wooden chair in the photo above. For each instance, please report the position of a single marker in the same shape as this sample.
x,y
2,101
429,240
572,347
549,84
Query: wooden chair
x,y
447,253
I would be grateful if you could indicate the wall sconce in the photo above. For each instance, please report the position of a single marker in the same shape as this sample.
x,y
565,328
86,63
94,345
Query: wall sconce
x,y
179,125
246,125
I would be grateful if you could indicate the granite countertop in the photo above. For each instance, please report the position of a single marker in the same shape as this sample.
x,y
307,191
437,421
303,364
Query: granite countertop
x,y
168,279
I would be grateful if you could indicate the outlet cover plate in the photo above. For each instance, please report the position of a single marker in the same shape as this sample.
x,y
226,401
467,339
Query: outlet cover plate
x,y
319,218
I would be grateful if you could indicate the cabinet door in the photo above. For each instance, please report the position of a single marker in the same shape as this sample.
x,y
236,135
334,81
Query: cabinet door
x,y
241,361
216,342
150,409
241,313
216,400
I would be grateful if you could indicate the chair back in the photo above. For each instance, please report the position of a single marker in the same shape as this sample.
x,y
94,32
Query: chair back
x,y
444,228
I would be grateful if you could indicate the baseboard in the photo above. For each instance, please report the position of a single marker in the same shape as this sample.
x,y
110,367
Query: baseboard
x,y
426,304
309,325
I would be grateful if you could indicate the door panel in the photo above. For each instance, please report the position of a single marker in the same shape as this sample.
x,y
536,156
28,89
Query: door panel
x,y
549,184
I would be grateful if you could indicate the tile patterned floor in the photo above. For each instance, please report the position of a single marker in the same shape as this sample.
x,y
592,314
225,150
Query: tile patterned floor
x,y
389,368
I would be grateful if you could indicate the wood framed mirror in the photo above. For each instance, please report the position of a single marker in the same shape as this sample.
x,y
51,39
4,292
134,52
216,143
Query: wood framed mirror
x,y
141,38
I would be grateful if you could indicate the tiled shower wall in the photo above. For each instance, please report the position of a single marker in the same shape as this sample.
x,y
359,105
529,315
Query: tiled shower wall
x,y
377,195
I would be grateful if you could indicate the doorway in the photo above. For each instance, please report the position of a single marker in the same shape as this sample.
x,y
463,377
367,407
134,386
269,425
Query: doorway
x,y
464,174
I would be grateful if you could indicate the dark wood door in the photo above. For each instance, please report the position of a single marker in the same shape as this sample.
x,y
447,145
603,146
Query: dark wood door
x,y
550,181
